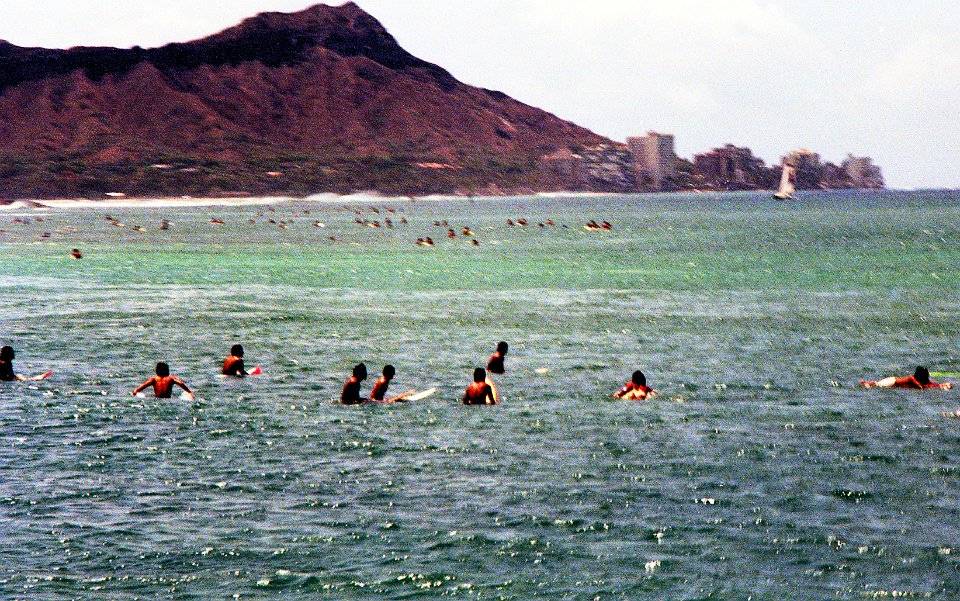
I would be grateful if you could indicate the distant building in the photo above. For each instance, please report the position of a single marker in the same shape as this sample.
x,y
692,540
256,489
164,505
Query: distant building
x,y
862,173
654,160
731,168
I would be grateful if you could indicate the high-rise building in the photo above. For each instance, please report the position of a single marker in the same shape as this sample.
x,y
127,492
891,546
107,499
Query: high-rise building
x,y
654,159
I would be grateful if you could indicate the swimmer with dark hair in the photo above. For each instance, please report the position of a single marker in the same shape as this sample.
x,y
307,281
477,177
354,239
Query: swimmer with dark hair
x,y
163,383
480,392
233,365
380,387
636,389
920,380
495,364
7,355
351,390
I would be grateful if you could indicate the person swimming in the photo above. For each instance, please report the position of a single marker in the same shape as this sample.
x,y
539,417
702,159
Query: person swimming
x,y
7,374
636,389
351,390
162,383
480,392
233,364
495,363
920,380
6,365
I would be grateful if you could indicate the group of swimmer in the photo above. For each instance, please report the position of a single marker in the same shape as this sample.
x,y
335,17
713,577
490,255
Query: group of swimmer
x,y
481,391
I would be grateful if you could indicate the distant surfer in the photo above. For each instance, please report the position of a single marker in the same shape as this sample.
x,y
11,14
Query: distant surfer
x,y
233,365
380,387
495,364
76,254
351,390
636,389
918,381
6,368
480,392
379,392
163,383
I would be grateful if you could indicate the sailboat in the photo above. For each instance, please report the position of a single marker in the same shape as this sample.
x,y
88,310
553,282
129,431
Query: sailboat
x,y
787,180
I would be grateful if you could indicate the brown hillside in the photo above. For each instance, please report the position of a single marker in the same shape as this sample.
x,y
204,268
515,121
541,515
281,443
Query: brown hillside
x,y
324,82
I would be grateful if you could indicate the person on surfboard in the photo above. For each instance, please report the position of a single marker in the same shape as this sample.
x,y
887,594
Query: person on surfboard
x,y
351,390
918,381
480,392
7,374
383,383
163,383
495,363
379,392
636,389
233,365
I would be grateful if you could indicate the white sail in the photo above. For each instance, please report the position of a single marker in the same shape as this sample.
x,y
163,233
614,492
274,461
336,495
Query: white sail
x,y
787,187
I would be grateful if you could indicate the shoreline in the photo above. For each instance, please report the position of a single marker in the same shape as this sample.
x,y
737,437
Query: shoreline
x,y
374,196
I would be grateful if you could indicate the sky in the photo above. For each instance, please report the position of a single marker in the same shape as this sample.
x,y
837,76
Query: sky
x,y
878,78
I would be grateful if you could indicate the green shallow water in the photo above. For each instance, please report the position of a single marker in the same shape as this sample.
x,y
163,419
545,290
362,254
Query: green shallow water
x,y
761,471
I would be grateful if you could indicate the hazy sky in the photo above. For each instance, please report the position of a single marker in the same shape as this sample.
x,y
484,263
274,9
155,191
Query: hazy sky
x,y
871,77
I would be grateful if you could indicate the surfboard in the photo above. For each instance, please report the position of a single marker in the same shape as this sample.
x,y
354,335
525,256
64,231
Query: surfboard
x,y
41,377
421,395
184,396
400,398
256,371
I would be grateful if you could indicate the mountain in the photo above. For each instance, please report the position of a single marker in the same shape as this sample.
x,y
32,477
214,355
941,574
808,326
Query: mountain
x,y
317,99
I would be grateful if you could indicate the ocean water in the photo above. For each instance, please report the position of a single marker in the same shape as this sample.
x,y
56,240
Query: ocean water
x,y
761,471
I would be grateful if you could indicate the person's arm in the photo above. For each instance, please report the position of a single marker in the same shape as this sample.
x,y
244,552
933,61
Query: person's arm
x,y
491,395
144,386
622,392
180,383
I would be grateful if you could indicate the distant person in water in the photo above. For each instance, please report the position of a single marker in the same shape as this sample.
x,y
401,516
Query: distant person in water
x,y
495,364
351,390
162,383
380,387
636,389
6,368
233,365
480,392
6,365
76,254
918,381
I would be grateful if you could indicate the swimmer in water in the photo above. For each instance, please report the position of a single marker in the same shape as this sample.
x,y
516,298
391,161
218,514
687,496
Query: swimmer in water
x,y
351,390
233,365
162,383
636,389
6,368
920,380
479,392
495,364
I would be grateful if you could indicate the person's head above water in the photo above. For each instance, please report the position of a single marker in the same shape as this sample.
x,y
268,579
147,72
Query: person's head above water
x,y
6,353
236,350
163,370
638,378
479,375
502,348
360,371
389,371
922,375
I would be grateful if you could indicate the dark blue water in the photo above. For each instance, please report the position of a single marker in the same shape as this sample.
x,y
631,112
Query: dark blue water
x,y
760,471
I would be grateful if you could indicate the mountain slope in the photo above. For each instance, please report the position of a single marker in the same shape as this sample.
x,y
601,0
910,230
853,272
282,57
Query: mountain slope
x,y
325,83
